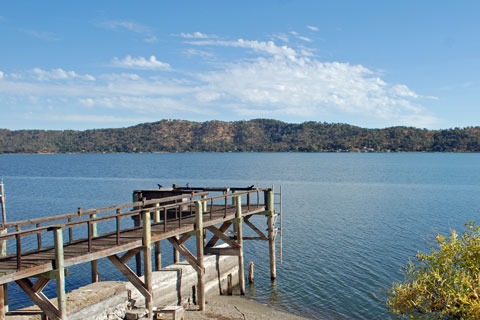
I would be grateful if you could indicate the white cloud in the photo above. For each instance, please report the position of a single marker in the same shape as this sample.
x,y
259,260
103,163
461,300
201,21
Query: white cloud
x,y
196,35
59,74
402,90
1,75
304,38
307,88
120,76
298,36
141,63
282,36
274,81
259,46
313,28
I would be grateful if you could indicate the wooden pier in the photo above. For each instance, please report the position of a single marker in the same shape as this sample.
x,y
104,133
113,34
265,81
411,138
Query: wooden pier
x,y
175,214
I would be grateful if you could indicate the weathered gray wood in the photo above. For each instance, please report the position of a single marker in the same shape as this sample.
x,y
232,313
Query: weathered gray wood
x,y
185,253
271,233
129,254
251,276
40,300
239,234
40,284
223,251
2,202
200,248
176,254
130,275
147,261
94,263
224,227
2,303
221,235
254,228
60,268
158,248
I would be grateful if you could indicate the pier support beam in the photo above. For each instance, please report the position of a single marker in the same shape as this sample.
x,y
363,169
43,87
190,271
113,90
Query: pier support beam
x,y
239,233
94,263
147,261
269,197
158,249
60,268
201,272
2,304
176,254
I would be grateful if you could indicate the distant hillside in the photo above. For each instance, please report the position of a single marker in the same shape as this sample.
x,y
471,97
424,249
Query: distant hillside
x,y
258,135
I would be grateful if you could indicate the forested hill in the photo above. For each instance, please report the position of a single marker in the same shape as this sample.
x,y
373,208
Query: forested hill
x,y
258,135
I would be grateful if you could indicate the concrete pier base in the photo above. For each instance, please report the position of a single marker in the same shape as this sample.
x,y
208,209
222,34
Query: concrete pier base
x,y
173,285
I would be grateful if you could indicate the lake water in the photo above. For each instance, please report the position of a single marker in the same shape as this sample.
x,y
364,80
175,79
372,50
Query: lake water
x,y
351,220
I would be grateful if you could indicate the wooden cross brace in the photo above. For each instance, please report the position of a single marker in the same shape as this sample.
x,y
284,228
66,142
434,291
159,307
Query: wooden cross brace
x,y
261,235
34,291
179,245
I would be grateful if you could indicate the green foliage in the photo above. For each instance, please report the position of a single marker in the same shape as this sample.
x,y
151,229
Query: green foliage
x,y
258,135
444,284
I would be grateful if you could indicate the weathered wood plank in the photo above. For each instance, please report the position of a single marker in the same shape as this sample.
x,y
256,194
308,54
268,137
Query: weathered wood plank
x,y
130,275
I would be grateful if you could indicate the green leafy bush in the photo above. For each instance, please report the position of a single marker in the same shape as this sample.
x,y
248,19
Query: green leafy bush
x,y
444,284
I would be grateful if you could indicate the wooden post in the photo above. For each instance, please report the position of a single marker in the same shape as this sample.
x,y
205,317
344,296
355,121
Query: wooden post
x,y
136,223
176,254
94,263
271,233
204,202
147,261
200,273
2,306
239,233
2,201
158,249
60,270
251,276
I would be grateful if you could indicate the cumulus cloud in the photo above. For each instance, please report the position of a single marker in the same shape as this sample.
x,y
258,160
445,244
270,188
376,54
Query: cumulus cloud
x,y
60,74
140,63
283,82
305,88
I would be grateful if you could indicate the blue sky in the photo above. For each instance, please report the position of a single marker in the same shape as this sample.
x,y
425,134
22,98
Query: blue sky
x,y
101,64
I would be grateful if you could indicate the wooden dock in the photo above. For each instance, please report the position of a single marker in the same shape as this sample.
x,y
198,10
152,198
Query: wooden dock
x,y
175,214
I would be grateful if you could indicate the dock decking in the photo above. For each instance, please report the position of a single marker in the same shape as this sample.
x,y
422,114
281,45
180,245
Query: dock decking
x,y
188,212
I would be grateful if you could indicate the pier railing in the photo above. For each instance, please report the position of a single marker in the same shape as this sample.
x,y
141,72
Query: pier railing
x,y
164,210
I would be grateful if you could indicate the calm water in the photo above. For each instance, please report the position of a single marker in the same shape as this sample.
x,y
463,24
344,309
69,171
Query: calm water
x,y
351,221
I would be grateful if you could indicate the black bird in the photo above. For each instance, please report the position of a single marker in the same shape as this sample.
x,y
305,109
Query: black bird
x,y
159,186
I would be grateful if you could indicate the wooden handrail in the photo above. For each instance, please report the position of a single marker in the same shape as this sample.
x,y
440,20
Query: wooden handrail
x,y
65,216
140,207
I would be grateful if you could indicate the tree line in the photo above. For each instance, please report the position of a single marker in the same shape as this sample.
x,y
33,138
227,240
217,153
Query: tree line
x,y
258,135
